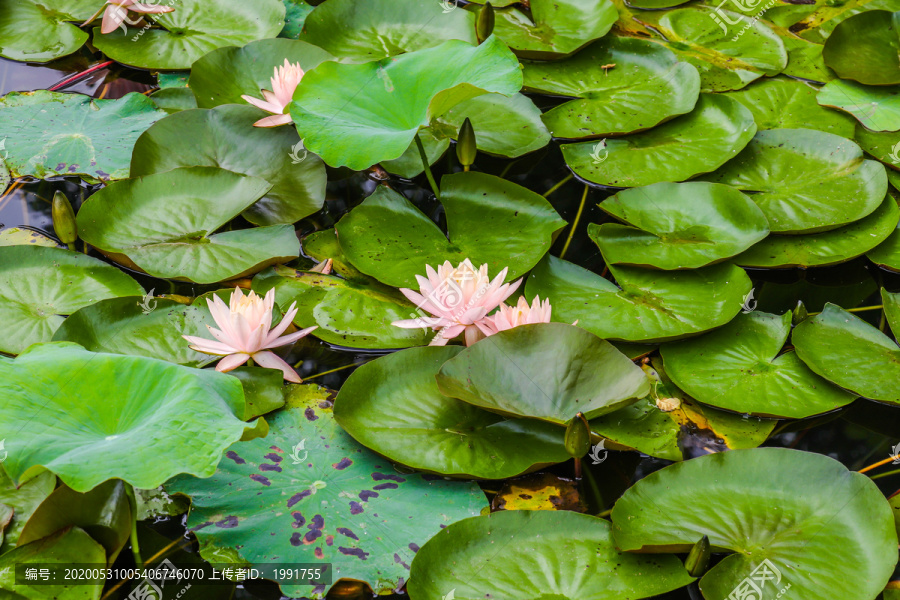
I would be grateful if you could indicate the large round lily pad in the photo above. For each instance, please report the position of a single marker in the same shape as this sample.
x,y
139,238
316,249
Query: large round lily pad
x,y
225,137
193,29
828,247
377,29
558,554
678,225
646,86
844,349
392,98
308,493
133,221
249,69
698,142
346,313
39,286
547,371
555,28
489,220
649,306
32,31
789,517
866,48
393,405
806,181
741,367
876,107
89,417
50,133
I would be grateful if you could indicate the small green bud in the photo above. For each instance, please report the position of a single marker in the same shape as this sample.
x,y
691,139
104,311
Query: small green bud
x,y
484,25
698,559
64,219
465,144
799,313
578,437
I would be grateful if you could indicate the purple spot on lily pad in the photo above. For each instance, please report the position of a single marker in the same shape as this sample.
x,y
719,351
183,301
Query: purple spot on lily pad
x,y
299,520
382,476
268,467
310,414
347,532
295,539
274,457
386,486
317,522
366,494
234,456
355,508
343,464
318,553
357,552
414,547
298,497
260,479
228,522
311,536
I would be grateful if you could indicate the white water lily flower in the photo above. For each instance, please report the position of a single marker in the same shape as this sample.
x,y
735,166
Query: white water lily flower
x,y
116,12
284,82
513,316
245,331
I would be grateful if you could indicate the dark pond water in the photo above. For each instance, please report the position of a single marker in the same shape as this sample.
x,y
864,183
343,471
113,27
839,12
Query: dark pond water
x,y
857,435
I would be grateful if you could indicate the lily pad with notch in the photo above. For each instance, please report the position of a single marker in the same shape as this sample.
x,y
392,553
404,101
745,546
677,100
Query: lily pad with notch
x,y
866,48
883,145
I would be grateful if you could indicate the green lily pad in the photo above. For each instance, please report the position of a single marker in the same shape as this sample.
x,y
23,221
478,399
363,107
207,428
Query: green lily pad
x,y
263,390
23,500
546,371
554,28
322,245
346,313
62,549
804,57
884,146
866,48
39,286
726,58
311,493
132,220
393,98
19,236
678,225
563,553
50,133
249,69
193,29
891,304
490,220
140,327
829,247
825,516
174,99
741,367
650,305
783,103
698,142
375,404
377,29
876,107
646,86
806,181
225,137
844,349
6,515
99,416
32,31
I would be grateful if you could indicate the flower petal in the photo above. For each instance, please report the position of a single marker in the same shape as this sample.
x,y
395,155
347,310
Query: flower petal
x,y
290,339
231,362
270,360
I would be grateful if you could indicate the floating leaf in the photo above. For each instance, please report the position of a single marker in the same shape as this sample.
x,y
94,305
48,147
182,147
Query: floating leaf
x,y
806,181
378,29
866,48
844,349
876,107
132,220
317,496
620,85
490,220
225,137
564,554
741,367
393,98
826,516
547,371
89,417
193,29
885,146
462,440
23,500
50,133
539,491
678,225
346,313
698,142
39,286
649,306
34,32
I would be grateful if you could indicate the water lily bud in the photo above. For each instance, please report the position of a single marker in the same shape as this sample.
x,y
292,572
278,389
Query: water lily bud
x,y
484,26
64,219
799,313
578,437
465,144
668,404
698,559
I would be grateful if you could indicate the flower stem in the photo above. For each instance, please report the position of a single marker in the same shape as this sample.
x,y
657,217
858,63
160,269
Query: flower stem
x,y
575,222
605,513
858,309
135,547
78,76
565,180
431,181
331,371
888,474
879,463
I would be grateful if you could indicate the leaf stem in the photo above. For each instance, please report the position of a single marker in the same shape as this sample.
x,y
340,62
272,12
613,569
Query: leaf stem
x,y
853,310
565,180
431,181
331,371
78,76
135,547
575,222
887,460
888,474
605,513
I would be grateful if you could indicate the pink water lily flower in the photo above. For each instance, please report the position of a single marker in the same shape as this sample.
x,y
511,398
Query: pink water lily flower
x,y
246,332
116,12
284,82
513,316
459,298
